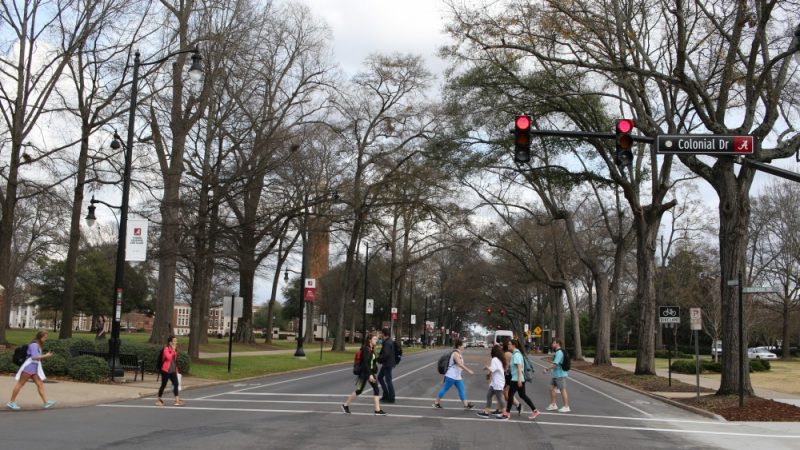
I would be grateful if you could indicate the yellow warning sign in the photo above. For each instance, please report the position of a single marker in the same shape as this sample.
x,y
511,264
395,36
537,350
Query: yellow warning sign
x,y
537,331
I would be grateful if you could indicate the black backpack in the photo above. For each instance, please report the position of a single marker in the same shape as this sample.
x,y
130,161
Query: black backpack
x,y
566,362
159,359
20,354
398,352
444,363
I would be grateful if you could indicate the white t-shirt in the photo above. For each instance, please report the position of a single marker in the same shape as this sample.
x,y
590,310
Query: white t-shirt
x,y
498,375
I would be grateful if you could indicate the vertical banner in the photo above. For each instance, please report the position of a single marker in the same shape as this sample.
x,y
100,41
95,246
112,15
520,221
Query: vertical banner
x,y
136,245
310,290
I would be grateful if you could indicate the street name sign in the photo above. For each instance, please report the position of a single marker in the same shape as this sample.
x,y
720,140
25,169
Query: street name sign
x,y
704,144
669,314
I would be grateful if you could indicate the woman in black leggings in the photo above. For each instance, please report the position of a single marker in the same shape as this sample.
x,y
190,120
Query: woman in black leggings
x,y
169,370
518,381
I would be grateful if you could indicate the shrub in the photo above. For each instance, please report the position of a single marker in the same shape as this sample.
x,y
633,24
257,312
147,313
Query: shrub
x,y
675,355
759,365
78,345
59,346
88,368
684,366
55,365
184,363
711,366
7,363
623,353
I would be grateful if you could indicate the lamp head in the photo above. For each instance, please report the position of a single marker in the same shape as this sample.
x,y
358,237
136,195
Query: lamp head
x,y
90,218
115,143
196,69
286,275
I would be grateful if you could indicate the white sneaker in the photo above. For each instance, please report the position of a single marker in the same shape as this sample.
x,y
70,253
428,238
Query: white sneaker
x,y
552,407
564,409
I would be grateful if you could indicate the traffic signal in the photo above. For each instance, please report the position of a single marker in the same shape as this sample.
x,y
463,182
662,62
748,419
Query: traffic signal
x,y
624,142
522,139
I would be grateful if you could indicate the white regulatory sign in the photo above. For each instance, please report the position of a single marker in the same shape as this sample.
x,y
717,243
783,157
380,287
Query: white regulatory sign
x,y
370,305
696,318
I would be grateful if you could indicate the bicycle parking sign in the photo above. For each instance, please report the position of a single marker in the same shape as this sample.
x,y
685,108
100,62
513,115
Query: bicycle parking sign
x,y
669,314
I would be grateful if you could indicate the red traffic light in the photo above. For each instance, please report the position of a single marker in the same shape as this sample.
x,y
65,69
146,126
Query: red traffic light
x,y
625,125
523,122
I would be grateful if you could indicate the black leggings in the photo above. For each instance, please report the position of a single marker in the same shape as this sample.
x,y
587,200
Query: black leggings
x,y
164,378
514,389
361,383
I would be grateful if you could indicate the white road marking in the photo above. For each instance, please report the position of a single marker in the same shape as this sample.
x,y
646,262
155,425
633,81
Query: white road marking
x,y
495,422
602,393
394,405
413,371
277,383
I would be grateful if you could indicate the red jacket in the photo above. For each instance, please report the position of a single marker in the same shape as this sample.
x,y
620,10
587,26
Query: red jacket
x,y
168,356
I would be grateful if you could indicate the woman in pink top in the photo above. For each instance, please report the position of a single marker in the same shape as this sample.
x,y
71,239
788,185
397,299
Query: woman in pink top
x,y
169,370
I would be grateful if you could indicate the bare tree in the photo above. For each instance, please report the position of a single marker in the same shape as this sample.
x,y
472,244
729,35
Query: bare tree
x,y
382,121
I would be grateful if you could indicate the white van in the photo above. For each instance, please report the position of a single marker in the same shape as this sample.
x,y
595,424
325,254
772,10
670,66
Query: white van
x,y
499,335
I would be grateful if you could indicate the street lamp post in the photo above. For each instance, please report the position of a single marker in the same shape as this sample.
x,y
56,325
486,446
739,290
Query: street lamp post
x,y
425,324
196,73
299,353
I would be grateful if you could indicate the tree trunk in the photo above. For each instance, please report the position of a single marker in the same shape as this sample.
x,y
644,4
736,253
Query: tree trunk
x,y
576,322
787,354
168,257
646,234
734,214
71,263
603,353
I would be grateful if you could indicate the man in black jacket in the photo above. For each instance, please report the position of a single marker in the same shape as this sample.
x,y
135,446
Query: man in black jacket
x,y
366,374
387,361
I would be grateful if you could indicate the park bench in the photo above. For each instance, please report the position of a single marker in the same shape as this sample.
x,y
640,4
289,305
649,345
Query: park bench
x,y
126,361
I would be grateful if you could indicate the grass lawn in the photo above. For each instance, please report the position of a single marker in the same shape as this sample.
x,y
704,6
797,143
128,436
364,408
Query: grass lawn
x,y
251,366
782,376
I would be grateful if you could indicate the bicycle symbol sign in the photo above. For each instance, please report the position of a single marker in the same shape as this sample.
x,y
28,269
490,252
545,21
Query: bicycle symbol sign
x,y
669,314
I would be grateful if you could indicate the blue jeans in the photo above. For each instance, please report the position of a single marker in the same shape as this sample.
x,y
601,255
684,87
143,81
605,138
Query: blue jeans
x,y
385,379
448,383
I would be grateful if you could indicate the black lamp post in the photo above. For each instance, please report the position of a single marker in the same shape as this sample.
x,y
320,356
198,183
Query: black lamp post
x,y
299,353
366,275
196,73
425,324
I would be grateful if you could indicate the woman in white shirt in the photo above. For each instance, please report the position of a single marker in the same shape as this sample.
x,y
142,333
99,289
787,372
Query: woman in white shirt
x,y
453,377
497,380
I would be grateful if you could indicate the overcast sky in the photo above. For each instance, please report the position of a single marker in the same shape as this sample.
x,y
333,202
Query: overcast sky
x,y
363,27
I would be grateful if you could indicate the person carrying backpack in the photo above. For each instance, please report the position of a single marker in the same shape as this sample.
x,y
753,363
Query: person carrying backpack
x,y
518,381
169,371
366,373
560,369
387,360
32,368
453,377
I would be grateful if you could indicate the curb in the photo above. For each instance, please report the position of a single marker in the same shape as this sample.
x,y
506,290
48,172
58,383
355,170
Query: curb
x,y
667,400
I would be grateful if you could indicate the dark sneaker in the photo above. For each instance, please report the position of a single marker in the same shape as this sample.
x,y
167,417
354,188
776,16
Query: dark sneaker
x,y
502,417
437,406
387,401
380,412
519,409
345,409
496,412
469,406
483,415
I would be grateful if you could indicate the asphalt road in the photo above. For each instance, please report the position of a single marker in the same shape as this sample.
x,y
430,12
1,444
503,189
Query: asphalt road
x,y
301,411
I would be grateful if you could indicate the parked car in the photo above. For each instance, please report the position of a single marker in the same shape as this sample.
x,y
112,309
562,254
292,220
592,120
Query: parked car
x,y
760,353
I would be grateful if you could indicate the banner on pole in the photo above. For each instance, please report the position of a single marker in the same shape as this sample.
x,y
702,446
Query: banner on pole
x,y
136,245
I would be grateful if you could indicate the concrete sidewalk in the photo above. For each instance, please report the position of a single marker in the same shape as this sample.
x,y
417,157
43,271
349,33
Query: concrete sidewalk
x,y
710,383
74,394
